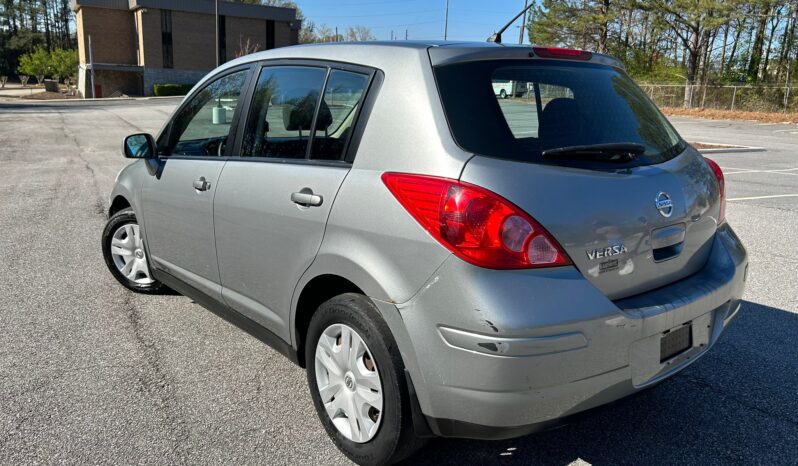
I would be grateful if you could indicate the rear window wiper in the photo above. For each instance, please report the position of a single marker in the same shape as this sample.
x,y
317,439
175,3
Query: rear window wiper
x,y
613,152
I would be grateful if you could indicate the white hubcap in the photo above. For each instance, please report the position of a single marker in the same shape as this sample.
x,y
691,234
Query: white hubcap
x,y
349,383
127,251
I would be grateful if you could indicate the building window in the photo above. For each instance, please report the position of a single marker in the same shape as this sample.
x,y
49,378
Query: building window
x,y
269,34
166,38
222,40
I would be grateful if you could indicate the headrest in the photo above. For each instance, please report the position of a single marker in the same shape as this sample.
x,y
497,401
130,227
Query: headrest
x,y
298,113
560,124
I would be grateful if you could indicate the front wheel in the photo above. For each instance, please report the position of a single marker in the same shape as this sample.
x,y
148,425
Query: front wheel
x,y
125,255
357,382
503,94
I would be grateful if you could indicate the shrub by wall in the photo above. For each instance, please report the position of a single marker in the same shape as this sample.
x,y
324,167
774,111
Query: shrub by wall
x,y
162,90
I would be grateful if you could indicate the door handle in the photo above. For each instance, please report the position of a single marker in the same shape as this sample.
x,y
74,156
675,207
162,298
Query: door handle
x,y
306,198
201,184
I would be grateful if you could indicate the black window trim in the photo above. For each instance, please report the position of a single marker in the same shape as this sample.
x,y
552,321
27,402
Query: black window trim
x,y
243,98
167,40
370,92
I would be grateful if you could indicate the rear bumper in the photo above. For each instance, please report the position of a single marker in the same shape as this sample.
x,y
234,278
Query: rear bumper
x,y
497,354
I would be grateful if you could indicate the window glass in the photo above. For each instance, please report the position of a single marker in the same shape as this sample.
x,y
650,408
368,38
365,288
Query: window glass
x,y
550,104
342,98
282,112
203,125
520,103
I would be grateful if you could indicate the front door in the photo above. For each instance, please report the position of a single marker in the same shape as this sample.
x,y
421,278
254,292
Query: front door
x,y
178,200
273,200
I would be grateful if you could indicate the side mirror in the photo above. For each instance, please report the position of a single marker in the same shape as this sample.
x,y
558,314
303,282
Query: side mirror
x,y
139,146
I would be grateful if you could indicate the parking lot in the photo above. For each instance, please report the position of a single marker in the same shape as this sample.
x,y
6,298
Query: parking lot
x,y
91,373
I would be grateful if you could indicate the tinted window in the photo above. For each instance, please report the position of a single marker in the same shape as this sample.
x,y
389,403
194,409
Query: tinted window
x,y
282,112
550,104
342,99
202,126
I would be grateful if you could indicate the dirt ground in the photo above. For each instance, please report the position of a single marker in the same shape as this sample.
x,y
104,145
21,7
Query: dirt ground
x,y
713,114
49,96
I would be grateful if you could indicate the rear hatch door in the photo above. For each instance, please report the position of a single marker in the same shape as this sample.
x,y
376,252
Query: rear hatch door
x,y
631,223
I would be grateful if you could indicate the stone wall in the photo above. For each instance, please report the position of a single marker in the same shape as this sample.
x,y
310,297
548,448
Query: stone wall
x,y
153,76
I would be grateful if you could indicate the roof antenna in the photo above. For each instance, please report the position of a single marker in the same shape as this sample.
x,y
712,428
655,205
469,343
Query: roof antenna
x,y
497,37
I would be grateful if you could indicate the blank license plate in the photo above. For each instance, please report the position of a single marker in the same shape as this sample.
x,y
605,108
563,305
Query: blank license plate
x,y
675,342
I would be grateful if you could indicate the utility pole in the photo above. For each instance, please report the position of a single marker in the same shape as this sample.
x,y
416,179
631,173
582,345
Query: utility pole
x,y
216,3
336,33
446,23
405,34
91,68
523,24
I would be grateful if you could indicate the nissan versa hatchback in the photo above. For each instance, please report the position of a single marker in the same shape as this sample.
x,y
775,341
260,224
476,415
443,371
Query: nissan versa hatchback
x,y
442,261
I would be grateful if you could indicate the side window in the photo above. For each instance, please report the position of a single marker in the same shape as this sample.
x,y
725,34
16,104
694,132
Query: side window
x,y
203,125
343,97
282,112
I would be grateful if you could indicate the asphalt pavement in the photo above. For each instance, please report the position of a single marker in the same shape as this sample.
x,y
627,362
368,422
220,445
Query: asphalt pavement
x,y
92,373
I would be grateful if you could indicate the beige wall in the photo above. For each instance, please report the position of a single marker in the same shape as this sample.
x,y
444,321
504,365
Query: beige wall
x,y
113,36
238,30
134,38
150,38
193,41
282,34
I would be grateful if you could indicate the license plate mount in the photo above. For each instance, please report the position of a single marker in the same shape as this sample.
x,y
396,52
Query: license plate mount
x,y
675,342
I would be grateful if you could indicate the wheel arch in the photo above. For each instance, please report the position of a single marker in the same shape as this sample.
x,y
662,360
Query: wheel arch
x,y
118,203
316,291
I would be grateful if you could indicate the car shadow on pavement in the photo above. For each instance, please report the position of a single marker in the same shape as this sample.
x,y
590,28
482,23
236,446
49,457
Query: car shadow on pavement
x,y
738,404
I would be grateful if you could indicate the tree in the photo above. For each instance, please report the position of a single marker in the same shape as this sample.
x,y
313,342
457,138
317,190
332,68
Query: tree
x,y
27,24
64,63
245,48
359,34
759,42
37,64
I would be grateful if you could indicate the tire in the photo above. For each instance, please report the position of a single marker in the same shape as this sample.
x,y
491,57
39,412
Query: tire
x,y
391,438
503,94
120,228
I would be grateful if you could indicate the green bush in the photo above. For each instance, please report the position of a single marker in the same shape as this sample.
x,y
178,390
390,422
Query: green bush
x,y
162,90
57,64
36,63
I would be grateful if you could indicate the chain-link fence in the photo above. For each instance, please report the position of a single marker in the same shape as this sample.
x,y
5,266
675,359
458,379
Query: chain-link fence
x,y
740,98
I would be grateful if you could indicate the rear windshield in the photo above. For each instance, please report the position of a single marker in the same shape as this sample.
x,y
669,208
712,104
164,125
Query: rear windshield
x,y
517,109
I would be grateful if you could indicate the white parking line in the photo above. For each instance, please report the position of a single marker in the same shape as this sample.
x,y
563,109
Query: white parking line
x,y
761,197
743,170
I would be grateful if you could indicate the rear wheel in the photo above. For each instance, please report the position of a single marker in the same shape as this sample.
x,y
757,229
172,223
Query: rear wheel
x,y
125,255
503,94
356,379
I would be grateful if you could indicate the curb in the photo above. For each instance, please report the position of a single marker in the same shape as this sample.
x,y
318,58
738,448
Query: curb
x,y
20,101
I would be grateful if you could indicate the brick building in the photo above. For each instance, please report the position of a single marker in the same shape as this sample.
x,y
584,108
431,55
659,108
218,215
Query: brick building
x,y
136,44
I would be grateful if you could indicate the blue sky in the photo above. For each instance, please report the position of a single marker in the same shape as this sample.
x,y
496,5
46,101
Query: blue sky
x,y
423,19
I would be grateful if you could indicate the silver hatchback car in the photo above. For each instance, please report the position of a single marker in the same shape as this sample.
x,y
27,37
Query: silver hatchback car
x,y
442,261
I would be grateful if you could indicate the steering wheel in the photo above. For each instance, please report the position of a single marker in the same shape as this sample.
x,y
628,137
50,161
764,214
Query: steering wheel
x,y
218,150
220,147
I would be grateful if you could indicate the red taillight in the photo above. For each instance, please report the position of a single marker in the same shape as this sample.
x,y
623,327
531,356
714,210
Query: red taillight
x,y
477,225
722,185
569,54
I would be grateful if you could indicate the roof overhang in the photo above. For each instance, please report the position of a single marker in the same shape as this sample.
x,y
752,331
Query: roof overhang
x,y
114,67
241,10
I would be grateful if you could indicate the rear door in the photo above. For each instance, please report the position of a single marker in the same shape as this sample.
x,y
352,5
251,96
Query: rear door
x,y
628,225
274,197
178,199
